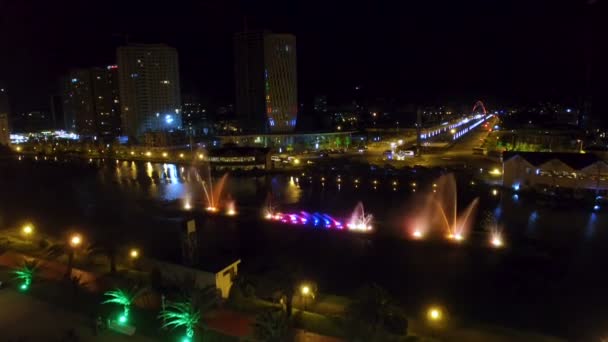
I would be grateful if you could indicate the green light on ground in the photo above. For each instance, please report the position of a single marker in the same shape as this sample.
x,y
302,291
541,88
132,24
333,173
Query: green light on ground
x,y
24,287
186,339
122,319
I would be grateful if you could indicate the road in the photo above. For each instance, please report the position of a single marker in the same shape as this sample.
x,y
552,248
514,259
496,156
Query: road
x,y
460,153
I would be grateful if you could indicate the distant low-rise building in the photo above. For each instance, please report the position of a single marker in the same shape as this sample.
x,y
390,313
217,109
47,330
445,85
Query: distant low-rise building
x,y
291,142
540,170
234,158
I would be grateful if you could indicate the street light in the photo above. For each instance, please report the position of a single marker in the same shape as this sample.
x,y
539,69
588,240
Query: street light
x,y
75,240
306,291
434,314
27,230
134,253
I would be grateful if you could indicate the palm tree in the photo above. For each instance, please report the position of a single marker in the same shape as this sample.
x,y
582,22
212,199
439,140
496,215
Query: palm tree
x,y
108,247
124,298
77,284
181,314
59,249
188,312
271,326
26,273
370,309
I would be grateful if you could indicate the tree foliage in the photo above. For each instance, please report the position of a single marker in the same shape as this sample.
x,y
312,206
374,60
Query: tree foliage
x,y
123,297
181,314
271,326
373,313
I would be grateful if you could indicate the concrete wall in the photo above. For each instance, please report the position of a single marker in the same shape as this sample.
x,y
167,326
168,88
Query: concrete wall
x,y
222,280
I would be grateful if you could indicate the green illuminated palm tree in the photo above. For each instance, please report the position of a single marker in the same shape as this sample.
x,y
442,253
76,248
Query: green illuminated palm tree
x,y
124,298
26,273
181,314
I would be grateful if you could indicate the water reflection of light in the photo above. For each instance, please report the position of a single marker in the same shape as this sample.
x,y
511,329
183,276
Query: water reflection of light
x,y
591,225
133,170
532,222
498,212
515,198
149,169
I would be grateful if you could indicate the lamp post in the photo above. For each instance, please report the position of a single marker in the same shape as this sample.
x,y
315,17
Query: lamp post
x,y
27,231
306,291
74,242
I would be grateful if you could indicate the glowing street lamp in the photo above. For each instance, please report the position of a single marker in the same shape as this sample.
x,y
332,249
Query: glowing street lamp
x,y
306,291
165,155
434,314
27,230
134,253
75,240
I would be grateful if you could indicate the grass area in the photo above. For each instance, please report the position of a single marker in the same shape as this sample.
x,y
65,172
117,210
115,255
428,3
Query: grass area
x,y
88,305
317,323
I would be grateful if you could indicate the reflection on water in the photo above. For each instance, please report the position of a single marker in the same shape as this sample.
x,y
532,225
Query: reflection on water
x,y
591,226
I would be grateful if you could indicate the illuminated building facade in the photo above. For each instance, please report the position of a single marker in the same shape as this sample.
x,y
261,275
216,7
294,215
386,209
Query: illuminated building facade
x,y
544,170
91,101
78,102
266,81
106,100
149,89
234,158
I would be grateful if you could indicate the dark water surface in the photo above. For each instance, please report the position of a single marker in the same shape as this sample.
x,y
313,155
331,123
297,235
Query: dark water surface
x,y
551,277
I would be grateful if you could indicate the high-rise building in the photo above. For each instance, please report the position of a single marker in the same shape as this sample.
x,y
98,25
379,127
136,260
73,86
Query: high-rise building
x,y
320,105
266,81
79,111
195,116
149,88
33,121
106,101
91,101
4,115
4,129
57,115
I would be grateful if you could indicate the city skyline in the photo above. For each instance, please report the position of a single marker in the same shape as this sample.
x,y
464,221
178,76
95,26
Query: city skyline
x,y
435,54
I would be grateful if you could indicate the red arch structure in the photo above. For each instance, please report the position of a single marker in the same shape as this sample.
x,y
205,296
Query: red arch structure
x,y
479,104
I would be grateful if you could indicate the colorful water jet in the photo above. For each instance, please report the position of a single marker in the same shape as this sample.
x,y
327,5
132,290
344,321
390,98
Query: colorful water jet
x,y
441,210
359,220
213,192
496,238
230,208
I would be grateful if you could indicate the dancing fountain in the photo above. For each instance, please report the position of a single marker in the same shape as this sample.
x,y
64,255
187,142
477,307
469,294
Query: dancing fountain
x,y
230,208
496,239
360,221
441,210
213,196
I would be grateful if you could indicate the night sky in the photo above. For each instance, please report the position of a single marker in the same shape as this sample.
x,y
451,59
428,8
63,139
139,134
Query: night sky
x,y
412,51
